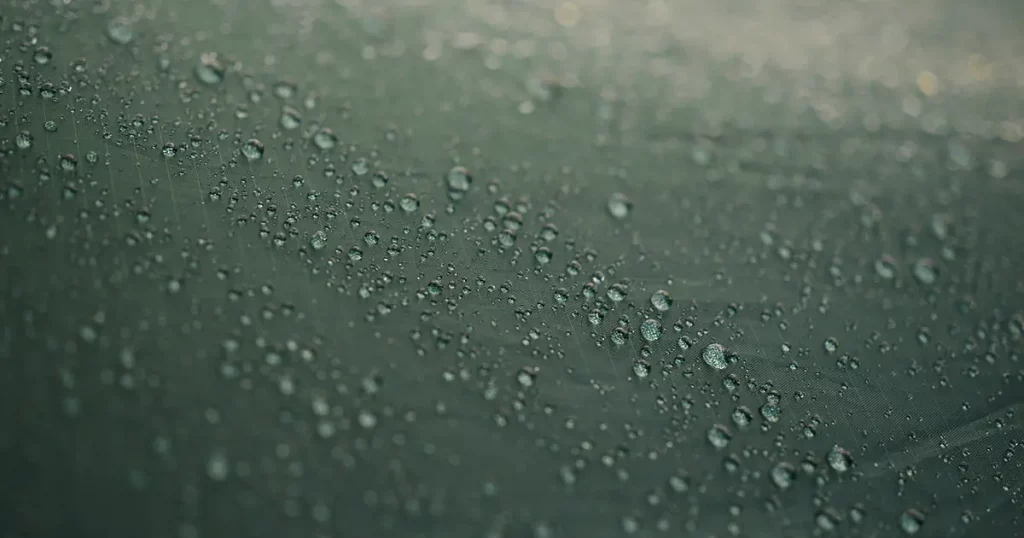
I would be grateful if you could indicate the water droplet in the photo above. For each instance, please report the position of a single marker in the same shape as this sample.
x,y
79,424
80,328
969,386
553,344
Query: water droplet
x,y
120,31
409,203
616,292
885,267
548,232
512,221
218,467
661,301
831,344
719,436
367,419
783,475
506,238
911,521
741,416
543,255
619,205
285,89
292,119
651,329
641,368
526,378
678,484
325,139
210,71
252,150
319,240
827,519
714,356
360,167
68,162
770,413
839,459
23,140
926,271
459,180
42,56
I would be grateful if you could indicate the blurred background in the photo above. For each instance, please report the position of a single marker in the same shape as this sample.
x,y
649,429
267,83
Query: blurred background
x,y
511,269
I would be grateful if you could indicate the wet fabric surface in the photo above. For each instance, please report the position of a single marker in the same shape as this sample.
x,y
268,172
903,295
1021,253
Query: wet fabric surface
x,y
511,269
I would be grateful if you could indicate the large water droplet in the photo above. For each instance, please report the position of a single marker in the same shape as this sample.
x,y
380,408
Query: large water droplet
x,y
409,203
291,119
319,240
459,180
252,150
619,205
719,436
911,521
839,459
651,329
120,31
210,71
783,475
714,356
325,139
661,301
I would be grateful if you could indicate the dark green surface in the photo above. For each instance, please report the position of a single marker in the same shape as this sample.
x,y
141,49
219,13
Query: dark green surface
x,y
763,200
